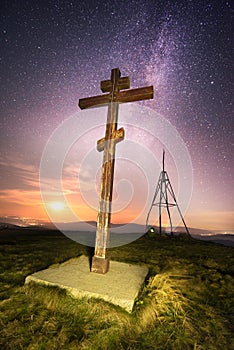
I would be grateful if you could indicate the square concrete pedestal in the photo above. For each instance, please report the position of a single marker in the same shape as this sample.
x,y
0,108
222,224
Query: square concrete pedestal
x,y
119,286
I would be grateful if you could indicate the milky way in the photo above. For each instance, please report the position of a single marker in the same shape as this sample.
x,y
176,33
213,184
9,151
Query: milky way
x,y
55,52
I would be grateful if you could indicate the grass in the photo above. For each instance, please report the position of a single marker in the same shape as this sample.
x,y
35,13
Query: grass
x,y
186,303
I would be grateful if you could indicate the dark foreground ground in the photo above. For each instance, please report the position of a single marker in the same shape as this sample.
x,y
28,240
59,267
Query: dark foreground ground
x,y
187,301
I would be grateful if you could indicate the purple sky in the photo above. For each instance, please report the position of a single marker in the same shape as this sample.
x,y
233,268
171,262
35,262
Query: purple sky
x,y
55,52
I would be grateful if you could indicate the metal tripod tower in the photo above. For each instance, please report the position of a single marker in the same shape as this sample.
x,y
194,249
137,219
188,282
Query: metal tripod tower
x,y
164,189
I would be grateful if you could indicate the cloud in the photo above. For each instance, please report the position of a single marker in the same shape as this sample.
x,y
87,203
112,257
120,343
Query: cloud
x,y
20,197
77,178
19,188
215,220
18,173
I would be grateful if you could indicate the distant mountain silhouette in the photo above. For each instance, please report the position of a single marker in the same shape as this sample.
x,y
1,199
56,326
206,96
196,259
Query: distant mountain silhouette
x,y
5,226
128,228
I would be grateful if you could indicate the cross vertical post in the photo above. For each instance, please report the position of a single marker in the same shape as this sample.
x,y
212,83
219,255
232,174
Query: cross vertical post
x,y
100,261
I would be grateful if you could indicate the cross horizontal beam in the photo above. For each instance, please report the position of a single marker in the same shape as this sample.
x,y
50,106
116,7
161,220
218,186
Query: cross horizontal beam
x,y
144,93
94,101
123,83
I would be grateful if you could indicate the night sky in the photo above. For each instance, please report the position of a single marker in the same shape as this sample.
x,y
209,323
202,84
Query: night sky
x,y
55,52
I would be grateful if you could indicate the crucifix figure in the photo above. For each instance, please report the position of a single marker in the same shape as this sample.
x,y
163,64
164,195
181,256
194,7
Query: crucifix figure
x,y
100,260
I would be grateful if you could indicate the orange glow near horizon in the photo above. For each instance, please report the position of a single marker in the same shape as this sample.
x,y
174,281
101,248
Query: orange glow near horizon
x,y
35,211
26,204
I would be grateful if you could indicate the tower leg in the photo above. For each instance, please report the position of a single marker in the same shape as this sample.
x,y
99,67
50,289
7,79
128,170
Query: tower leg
x,y
168,210
160,203
176,204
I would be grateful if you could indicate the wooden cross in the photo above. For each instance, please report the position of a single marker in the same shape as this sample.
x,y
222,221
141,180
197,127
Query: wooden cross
x,y
100,261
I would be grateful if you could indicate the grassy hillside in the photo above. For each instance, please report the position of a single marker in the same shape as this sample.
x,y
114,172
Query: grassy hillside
x,y
186,303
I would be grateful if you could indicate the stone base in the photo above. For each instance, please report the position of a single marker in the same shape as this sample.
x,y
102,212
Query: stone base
x,y
100,265
120,286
